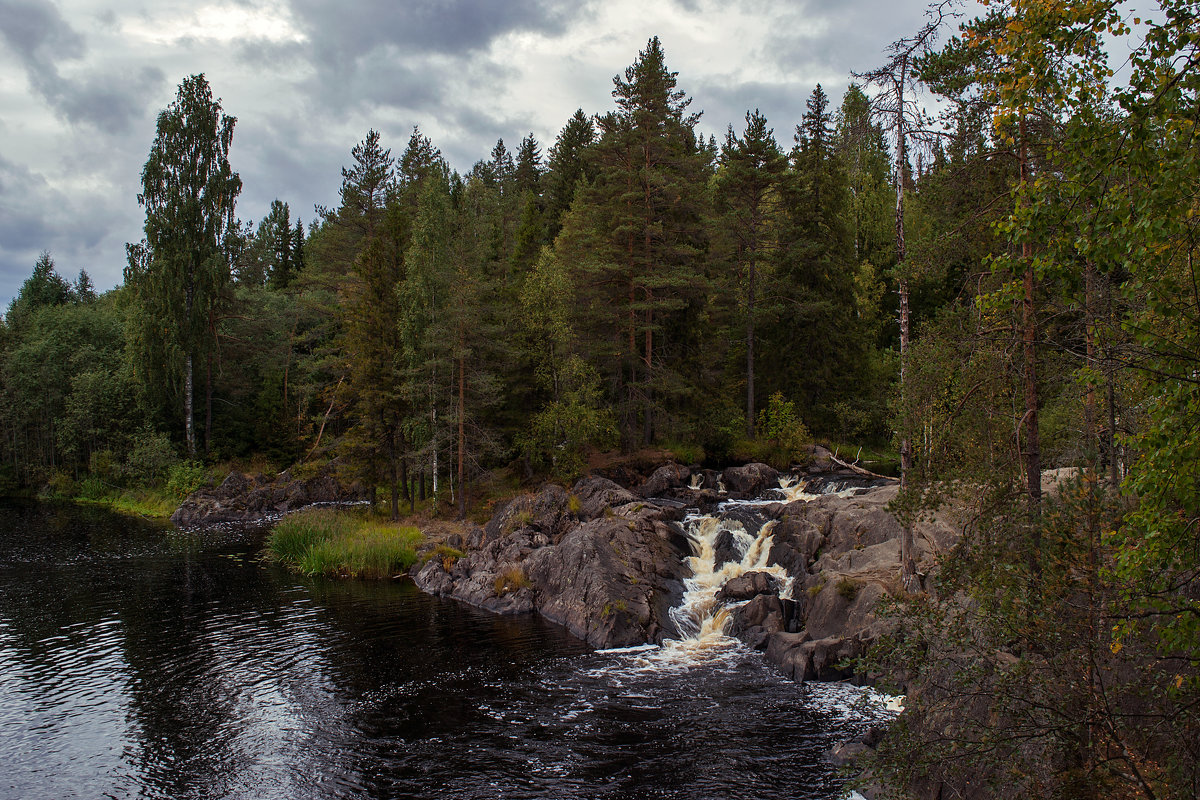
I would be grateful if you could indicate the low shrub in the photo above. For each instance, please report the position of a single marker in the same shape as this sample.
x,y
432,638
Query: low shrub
x,y
60,485
149,458
184,478
447,555
93,488
847,589
686,453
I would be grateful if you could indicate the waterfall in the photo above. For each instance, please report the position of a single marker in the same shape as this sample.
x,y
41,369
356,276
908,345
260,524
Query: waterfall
x,y
700,618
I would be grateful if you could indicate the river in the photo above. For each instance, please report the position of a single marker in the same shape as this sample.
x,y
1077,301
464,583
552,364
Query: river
x,y
138,661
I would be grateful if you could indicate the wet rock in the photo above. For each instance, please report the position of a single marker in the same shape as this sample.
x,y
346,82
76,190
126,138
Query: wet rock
x,y
241,498
844,753
610,583
748,586
785,651
757,620
710,480
707,500
795,545
802,658
750,480
595,495
666,477
611,579
819,460
725,549
751,519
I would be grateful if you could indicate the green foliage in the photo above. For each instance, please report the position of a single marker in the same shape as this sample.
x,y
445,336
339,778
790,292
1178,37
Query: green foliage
x,y
59,485
782,432
151,455
686,453
93,488
184,477
560,434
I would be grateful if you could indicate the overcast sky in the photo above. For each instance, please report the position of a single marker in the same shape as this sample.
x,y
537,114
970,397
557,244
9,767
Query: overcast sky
x,y
81,82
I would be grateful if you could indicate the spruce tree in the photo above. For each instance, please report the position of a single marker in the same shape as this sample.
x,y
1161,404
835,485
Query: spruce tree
x,y
528,171
747,198
817,323
568,164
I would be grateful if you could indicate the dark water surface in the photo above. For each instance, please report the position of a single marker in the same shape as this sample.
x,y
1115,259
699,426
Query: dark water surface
x,y
137,661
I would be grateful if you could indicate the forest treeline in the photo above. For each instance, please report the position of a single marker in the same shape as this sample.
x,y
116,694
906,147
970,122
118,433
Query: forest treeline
x,y
631,285
1008,289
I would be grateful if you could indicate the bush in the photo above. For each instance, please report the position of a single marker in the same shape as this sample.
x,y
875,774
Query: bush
x,y
447,555
93,488
847,589
184,478
60,484
510,581
687,453
782,432
105,465
149,458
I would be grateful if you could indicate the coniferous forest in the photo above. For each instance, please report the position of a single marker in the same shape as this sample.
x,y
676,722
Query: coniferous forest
x,y
1006,288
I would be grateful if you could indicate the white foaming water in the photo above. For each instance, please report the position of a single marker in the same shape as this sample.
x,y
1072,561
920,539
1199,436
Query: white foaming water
x,y
701,620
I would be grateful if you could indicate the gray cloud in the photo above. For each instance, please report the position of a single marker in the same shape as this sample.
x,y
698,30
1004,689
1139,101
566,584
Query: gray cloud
x,y
305,96
42,39
35,216
342,32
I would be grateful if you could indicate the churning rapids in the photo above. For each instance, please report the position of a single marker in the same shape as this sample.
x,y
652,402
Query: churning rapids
x,y
137,661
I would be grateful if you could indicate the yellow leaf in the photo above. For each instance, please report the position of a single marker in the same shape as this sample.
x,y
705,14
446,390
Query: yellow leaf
x,y
1178,681
1116,647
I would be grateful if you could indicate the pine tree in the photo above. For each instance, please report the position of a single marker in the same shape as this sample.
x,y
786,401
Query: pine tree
x,y
645,201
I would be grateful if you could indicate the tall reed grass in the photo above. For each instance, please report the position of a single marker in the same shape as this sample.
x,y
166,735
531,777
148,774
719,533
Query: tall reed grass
x,y
340,544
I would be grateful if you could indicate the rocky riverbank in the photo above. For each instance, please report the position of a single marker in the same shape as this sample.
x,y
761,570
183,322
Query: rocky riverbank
x,y
608,562
242,498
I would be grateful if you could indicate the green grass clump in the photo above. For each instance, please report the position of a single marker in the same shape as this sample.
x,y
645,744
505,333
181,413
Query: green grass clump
x,y
686,452
338,544
512,580
847,589
157,503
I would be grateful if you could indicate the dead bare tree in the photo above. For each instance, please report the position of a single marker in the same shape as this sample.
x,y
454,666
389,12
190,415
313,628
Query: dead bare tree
x,y
895,105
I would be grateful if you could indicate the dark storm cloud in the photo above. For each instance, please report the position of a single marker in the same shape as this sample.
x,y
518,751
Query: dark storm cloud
x,y
727,104
24,224
42,40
